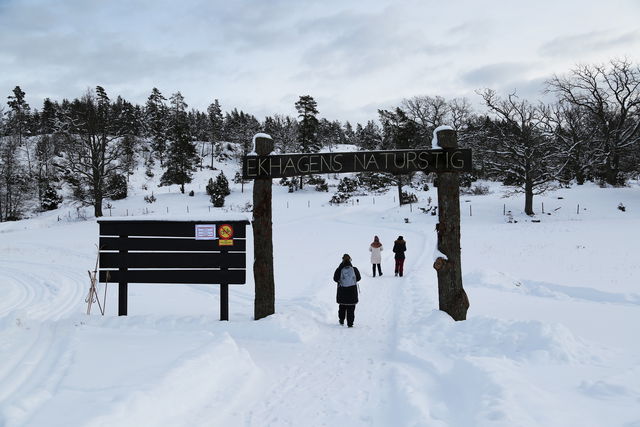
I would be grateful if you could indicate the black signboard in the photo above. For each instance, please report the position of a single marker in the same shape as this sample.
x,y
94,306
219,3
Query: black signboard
x,y
180,252
396,161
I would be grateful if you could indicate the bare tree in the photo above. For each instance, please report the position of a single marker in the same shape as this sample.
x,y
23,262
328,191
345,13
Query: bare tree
x,y
427,111
574,134
92,153
518,146
611,96
460,113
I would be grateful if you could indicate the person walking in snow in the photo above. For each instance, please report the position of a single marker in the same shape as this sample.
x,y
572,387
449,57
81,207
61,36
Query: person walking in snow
x,y
347,277
399,248
376,257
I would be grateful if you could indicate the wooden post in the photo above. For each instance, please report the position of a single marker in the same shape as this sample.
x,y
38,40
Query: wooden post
x,y
123,286
452,297
224,294
224,301
264,304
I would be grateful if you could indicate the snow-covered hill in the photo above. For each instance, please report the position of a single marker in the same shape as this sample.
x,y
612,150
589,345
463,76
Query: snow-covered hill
x,y
551,337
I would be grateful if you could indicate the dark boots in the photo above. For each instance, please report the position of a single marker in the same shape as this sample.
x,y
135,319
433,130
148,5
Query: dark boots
x,y
374,269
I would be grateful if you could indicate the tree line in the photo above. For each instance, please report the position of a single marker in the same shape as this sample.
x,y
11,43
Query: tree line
x,y
93,143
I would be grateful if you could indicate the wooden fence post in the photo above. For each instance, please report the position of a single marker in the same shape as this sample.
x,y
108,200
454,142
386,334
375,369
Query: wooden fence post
x,y
123,286
264,304
452,297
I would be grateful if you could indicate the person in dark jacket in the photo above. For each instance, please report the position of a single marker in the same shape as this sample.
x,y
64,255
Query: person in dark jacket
x,y
399,248
347,277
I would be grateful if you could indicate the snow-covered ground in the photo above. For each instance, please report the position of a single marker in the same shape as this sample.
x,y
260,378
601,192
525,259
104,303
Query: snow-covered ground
x,y
551,337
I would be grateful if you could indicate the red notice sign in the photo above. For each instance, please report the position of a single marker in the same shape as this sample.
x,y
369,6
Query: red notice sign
x,y
225,231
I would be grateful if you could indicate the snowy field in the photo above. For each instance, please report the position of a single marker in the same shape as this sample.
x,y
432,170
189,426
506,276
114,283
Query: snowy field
x,y
551,337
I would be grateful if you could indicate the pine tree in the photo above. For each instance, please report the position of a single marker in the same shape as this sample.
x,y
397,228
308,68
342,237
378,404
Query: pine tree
x,y
48,117
240,128
156,115
18,114
216,125
15,181
284,131
223,183
50,199
399,132
182,155
307,125
219,190
368,137
349,134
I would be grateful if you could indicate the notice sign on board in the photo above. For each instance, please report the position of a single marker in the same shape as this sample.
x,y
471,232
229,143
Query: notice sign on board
x,y
225,231
205,232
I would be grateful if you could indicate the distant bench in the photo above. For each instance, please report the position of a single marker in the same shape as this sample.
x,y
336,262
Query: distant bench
x,y
180,252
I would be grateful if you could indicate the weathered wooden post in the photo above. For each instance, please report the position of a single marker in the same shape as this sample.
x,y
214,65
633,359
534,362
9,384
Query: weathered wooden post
x,y
452,297
264,304
123,285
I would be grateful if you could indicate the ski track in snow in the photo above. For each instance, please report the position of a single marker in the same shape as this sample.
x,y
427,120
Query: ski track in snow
x,y
37,350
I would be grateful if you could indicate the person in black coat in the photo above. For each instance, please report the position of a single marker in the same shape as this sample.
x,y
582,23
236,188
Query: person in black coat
x,y
399,248
347,277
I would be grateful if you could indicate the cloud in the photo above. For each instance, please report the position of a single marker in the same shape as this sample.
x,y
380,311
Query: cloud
x,y
588,43
352,44
354,57
495,74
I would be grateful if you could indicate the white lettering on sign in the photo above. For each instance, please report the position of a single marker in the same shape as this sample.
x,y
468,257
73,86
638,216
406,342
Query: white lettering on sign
x,y
205,231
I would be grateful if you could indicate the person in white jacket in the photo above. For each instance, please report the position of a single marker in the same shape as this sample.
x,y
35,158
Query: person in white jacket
x,y
376,257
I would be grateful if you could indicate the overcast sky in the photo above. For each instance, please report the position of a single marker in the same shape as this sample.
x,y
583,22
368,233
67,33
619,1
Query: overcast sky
x,y
353,57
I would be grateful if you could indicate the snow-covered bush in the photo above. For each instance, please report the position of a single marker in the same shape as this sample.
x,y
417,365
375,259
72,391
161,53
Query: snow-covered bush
x,y
117,187
50,199
476,190
209,187
407,198
218,190
348,185
319,182
150,199
346,188
376,182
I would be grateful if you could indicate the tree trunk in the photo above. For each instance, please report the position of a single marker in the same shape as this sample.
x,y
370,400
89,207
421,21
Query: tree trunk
x,y
212,144
452,297
399,190
612,169
264,304
97,207
528,198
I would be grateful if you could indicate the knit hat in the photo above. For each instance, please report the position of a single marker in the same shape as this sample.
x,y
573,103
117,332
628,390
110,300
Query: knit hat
x,y
346,258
